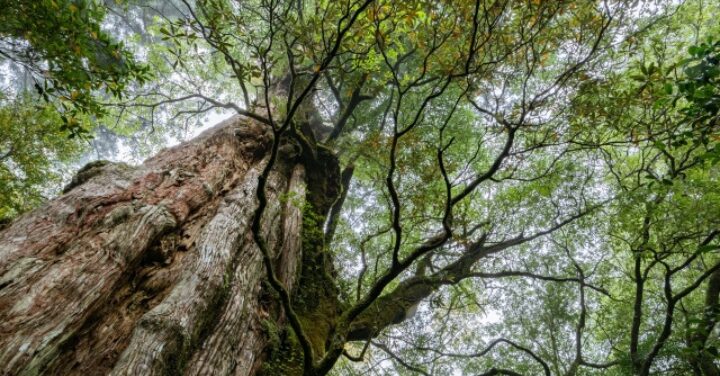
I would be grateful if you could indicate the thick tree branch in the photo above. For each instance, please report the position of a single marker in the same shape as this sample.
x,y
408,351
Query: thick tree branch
x,y
395,306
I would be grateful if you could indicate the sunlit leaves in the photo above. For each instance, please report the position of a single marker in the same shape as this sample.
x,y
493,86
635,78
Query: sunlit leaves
x,y
32,147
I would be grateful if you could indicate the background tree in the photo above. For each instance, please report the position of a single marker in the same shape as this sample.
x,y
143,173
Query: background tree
x,y
64,53
32,144
58,64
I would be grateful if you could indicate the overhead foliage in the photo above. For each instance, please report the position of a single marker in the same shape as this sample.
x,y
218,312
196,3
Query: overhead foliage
x,y
32,145
72,61
57,52
549,163
530,186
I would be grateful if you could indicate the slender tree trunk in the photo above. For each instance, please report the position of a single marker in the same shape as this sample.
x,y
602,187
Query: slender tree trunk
x,y
704,359
153,269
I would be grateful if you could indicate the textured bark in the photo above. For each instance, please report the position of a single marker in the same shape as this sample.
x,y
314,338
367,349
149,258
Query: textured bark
x,y
152,269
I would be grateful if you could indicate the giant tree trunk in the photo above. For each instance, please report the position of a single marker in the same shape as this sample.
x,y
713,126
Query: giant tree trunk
x,y
153,269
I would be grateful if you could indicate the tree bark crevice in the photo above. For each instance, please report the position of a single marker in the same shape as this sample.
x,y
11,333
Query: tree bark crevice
x,y
150,269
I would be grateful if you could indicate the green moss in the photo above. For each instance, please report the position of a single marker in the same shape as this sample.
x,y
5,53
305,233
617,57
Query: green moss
x,y
315,297
286,359
318,323
317,283
272,331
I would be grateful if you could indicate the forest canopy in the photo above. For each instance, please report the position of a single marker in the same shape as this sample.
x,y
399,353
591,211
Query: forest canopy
x,y
521,187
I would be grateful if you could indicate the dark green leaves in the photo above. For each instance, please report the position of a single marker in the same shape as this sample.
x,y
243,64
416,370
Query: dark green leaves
x,y
701,85
73,62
